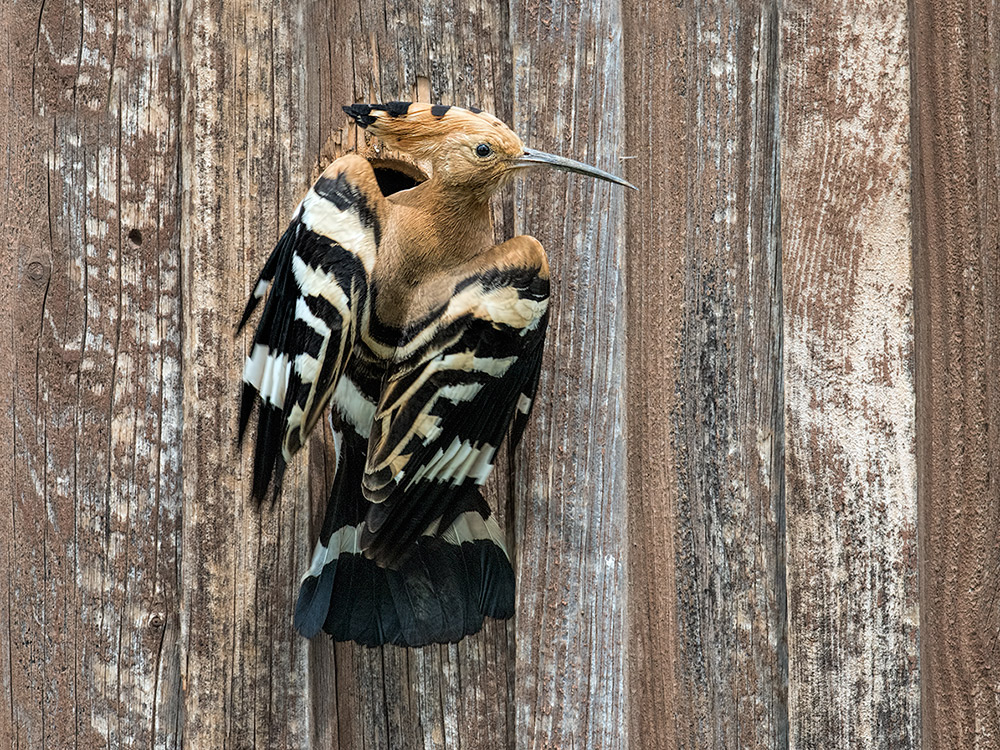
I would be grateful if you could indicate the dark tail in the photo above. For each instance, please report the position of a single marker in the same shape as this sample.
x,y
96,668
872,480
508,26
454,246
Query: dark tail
x,y
439,592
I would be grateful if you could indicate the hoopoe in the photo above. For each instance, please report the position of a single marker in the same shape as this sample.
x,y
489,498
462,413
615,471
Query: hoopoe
x,y
387,298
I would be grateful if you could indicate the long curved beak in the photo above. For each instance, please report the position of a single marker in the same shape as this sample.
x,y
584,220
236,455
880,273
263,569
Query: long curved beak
x,y
532,158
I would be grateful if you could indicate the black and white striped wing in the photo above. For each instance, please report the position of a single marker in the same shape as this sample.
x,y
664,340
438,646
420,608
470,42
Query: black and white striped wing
x,y
316,281
441,419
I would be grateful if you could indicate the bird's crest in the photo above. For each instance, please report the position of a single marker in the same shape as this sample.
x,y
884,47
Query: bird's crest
x,y
419,128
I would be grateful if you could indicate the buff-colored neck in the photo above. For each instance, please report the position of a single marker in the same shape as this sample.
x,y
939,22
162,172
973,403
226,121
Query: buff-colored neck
x,y
444,224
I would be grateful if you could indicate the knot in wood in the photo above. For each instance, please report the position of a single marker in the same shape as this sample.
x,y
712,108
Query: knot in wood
x,y
38,272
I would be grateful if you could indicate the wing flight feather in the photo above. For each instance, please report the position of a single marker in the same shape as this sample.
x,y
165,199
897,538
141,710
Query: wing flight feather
x,y
440,419
313,286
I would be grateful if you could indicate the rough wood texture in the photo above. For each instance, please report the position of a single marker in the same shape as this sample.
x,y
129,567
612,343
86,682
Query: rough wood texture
x,y
571,494
92,369
705,419
705,378
956,70
849,417
242,157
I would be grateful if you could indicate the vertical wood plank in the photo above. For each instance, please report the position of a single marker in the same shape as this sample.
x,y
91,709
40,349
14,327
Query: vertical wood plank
x,y
15,165
25,248
571,525
243,139
92,530
705,393
849,418
103,402
956,193
656,135
437,696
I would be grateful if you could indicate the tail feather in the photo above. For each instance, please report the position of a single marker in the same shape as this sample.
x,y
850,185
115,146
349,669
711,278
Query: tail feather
x,y
439,592
341,602
314,601
364,615
469,574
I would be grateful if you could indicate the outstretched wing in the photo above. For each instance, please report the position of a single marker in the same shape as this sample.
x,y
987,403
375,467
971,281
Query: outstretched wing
x,y
445,408
316,282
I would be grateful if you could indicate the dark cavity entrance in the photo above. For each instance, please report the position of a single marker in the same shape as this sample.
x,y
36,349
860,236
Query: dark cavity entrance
x,y
394,175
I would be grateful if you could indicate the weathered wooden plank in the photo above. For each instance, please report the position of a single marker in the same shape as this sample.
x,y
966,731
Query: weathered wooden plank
x,y
438,696
126,452
850,467
92,545
25,250
570,503
15,165
243,141
705,436
956,144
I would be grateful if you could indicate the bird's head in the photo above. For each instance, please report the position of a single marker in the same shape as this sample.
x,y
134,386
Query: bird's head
x,y
467,148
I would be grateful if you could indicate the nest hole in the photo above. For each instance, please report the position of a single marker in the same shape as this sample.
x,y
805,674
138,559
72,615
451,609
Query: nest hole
x,y
394,175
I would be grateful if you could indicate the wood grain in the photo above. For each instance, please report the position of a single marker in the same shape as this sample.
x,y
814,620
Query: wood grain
x,y
571,508
243,158
707,600
91,532
956,193
848,371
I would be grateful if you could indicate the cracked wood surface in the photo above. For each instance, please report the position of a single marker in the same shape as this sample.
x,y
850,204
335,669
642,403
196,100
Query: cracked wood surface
x,y
713,342
850,461
707,605
244,153
571,499
92,389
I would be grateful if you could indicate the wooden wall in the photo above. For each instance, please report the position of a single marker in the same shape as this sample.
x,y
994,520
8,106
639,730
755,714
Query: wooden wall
x,y
759,502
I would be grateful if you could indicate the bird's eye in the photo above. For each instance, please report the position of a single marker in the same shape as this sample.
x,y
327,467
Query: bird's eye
x,y
483,150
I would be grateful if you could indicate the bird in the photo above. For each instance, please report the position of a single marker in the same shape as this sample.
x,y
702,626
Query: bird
x,y
388,300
